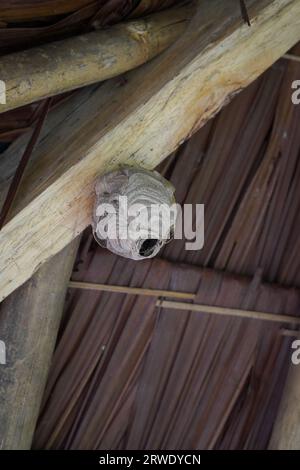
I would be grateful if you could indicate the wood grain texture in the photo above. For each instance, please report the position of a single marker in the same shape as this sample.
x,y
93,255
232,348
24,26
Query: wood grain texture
x,y
29,321
141,122
61,66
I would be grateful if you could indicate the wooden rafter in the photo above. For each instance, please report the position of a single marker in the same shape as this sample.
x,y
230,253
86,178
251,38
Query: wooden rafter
x,y
61,66
29,321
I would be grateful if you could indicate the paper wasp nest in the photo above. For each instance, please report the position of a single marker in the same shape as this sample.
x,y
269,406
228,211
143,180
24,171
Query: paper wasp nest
x,y
134,213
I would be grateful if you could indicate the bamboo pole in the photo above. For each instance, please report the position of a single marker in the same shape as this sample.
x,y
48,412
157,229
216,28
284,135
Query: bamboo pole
x,y
206,309
233,312
61,66
131,290
293,57
29,321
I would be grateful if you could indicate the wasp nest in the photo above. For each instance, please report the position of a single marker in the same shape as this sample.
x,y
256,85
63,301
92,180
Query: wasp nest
x,y
134,213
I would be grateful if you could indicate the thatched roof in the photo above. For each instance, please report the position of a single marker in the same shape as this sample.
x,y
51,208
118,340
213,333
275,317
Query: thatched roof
x,y
127,374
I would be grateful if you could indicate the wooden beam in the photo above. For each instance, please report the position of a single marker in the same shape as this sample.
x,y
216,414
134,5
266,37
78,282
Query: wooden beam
x,y
29,321
161,104
61,66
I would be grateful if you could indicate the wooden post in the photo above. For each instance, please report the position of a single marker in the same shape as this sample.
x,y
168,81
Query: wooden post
x,y
29,321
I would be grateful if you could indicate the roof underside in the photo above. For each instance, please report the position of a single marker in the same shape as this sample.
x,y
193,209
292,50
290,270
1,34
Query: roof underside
x,y
129,375
126,374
